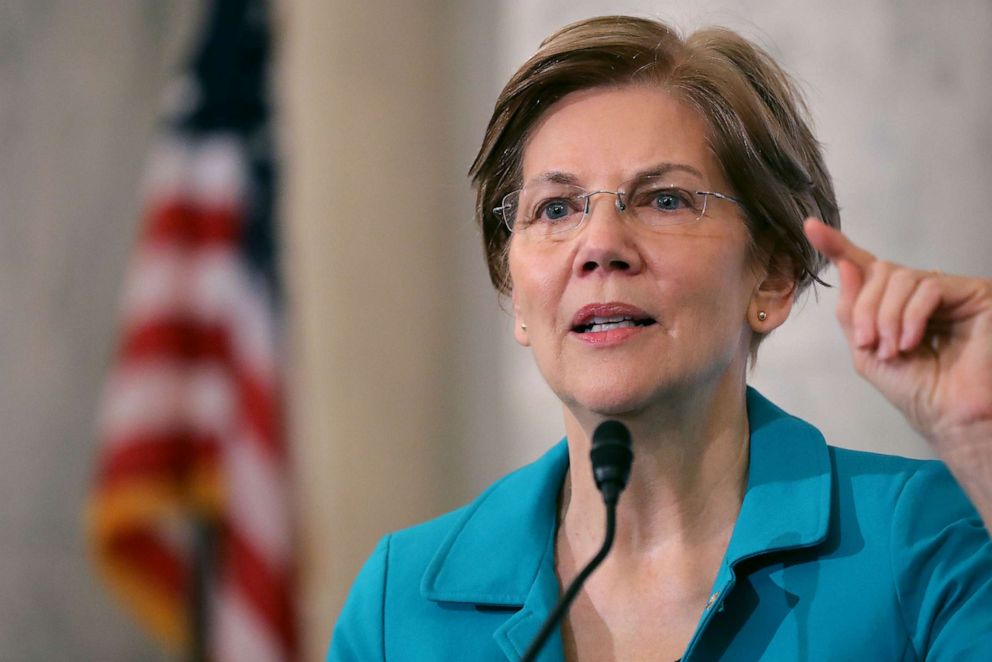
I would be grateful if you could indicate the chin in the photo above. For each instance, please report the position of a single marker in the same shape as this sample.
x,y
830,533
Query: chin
x,y
610,400
628,394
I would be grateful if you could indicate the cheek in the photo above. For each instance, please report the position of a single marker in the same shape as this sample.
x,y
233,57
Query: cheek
x,y
535,284
715,285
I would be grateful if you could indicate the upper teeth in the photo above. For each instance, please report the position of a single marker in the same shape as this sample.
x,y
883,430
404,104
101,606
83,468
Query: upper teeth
x,y
598,324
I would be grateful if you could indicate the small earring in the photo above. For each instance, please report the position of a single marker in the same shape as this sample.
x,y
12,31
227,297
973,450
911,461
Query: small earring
x,y
523,327
762,316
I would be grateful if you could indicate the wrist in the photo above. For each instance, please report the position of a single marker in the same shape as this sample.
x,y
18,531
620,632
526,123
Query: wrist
x,y
967,452
966,446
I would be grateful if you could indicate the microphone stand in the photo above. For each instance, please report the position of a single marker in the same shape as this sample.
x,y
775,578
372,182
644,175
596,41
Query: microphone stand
x,y
565,601
611,457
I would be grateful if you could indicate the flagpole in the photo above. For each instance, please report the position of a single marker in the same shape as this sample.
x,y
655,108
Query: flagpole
x,y
204,537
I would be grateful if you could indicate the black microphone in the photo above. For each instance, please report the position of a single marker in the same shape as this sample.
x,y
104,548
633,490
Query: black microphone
x,y
611,457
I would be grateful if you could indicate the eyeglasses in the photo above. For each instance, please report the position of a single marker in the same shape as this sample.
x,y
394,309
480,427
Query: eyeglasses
x,y
550,208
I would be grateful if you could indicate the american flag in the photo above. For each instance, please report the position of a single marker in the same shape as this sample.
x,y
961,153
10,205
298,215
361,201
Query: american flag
x,y
189,519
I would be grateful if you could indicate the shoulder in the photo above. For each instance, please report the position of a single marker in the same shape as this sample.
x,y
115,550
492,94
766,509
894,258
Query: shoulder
x,y
851,461
397,561
876,469
388,582
504,502
899,488
898,534
787,449
414,570
932,540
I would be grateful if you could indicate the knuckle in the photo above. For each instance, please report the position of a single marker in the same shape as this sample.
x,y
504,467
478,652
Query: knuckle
x,y
859,359
904,277
889,317
929,287
863,308
880,267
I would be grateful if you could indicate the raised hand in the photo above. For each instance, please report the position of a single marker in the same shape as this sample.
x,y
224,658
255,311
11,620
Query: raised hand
x,y
924,339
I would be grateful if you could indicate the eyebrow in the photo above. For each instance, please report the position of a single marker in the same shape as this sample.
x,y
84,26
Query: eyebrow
x,y
554,177
665,168
658,170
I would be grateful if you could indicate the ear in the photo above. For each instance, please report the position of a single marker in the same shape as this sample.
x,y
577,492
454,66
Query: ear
x,y
519,324
773,295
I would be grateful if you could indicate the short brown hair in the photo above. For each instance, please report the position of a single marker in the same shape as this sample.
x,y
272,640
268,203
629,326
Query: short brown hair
x,y
757,127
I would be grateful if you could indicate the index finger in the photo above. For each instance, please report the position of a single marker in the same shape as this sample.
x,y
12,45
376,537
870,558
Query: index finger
x,y
835,244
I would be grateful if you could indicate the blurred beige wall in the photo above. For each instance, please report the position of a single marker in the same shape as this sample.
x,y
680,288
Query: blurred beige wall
x,y
80,85
365,125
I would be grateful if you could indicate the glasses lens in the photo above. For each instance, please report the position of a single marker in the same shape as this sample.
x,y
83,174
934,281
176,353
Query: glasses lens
x,y
544,209
663,201
508,210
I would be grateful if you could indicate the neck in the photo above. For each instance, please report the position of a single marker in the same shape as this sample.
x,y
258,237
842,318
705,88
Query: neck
x,y
688,477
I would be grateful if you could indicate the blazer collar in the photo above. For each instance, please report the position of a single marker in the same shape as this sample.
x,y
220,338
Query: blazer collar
x,y
495,554
787,500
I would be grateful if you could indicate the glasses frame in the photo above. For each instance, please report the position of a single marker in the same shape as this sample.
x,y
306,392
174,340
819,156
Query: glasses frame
x,y
503,211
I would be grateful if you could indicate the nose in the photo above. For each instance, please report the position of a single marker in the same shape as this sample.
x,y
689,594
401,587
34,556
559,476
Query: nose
x,y
607,242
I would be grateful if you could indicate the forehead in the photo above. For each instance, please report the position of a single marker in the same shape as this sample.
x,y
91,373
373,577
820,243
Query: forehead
x,y
603,136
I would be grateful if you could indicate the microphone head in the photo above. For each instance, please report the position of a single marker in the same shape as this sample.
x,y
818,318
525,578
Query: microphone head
x,y
611,457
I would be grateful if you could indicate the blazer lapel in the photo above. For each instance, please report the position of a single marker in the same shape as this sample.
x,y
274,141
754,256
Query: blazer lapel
x,y
787,501
500,554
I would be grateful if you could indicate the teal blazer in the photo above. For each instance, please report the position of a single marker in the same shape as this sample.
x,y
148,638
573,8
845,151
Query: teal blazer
x,y
836,555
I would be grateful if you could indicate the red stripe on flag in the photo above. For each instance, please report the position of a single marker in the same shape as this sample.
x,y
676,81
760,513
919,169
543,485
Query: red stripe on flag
x,y
261,413
181,339
182,221
171,456
265,588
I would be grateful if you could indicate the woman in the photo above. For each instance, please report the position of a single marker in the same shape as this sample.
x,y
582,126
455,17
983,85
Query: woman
x,y
643,199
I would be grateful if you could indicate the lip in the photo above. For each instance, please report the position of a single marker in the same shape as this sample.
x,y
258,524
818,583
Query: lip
x,y
588,315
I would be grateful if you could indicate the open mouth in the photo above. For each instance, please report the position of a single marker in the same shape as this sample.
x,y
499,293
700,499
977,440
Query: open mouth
x,y
601,324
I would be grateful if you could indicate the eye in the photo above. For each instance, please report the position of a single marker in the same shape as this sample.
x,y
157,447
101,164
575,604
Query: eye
x,y
556,209
670,200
